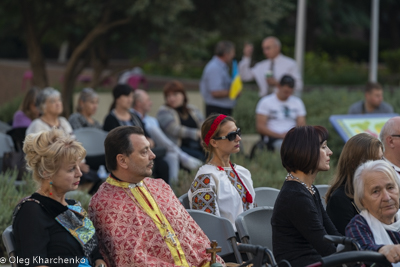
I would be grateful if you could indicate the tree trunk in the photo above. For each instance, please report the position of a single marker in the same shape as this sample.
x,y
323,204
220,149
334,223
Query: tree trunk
x,y
71,71
35,54
99,62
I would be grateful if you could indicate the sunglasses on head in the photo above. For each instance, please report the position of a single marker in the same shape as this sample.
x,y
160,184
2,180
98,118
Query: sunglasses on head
x,y
230,136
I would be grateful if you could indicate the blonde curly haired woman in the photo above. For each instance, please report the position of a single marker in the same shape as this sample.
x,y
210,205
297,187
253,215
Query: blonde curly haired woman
x,y
46,225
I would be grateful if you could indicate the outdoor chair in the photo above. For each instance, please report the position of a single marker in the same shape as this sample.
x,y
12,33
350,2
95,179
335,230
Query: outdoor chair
x,y
254,227
4,127
6,145
185,200
9,243
219,229
266,196
322,189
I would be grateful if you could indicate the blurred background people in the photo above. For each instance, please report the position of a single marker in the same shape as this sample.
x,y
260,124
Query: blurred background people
x,y
180,121
389,135
28,111
220,187
340,196
88,102
269,72
373,101
122,115
299,221
215,81
45,223
277,113
175,156
51,107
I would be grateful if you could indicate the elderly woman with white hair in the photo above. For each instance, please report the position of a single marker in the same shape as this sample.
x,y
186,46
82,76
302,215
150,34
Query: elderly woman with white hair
x,y
376,194
51,107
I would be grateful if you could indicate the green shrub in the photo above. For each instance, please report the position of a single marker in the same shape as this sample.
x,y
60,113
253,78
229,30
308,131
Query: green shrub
x,y
392,60
10,195
8,109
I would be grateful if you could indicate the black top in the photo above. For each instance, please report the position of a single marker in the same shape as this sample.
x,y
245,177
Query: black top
x,y
299,222
111,122
39,236
341,209
188,121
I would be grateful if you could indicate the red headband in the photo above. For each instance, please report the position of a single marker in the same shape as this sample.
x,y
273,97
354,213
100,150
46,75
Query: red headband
x,y
213,127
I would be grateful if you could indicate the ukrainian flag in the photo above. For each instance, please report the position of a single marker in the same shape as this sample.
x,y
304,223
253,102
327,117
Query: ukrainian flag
x,y
236,85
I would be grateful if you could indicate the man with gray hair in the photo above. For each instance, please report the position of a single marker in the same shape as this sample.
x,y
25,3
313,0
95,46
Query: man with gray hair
x,y
269,72
216,82
175,156
390,137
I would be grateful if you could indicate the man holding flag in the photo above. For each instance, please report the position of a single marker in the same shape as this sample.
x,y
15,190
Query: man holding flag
x,y
215,84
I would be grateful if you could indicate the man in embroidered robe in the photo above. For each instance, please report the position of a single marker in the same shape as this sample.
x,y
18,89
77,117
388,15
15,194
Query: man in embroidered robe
x,y
139,220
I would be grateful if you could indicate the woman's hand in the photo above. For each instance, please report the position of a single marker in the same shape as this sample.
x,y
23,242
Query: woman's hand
x,y
100,262
391,252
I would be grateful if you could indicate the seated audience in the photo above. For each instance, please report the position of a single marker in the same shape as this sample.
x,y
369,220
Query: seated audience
x,y
373,101
175,156
376,194
180,121
340,196
28,111
299,220
47,226
122,115
277,113
86,108
220,187
139,219
51,107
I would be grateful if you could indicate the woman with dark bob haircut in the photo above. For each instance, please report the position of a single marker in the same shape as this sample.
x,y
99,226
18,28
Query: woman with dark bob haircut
x,y
299,220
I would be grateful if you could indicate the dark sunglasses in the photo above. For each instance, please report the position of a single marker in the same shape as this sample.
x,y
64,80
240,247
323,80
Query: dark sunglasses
x,y
230,136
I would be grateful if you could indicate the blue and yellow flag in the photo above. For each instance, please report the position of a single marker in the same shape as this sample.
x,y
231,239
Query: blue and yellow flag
x,y
236,85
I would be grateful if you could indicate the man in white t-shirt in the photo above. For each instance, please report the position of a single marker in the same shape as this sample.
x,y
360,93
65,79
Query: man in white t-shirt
x,y
390,138
269,72
277,113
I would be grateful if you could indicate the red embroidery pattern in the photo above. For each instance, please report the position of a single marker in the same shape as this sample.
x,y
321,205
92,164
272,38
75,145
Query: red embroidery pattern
x,y
130,238
204,200
238,186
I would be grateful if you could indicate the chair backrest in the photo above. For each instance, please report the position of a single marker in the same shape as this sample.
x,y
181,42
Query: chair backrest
x,y
254,226
4,127
322,189
6,144
9,243
219,229
184,199
92,140
266,196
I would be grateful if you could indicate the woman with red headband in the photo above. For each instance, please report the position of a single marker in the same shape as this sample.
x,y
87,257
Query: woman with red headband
x,y
220,187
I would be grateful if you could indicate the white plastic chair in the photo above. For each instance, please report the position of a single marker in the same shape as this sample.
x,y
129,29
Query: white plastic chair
x,y
92,140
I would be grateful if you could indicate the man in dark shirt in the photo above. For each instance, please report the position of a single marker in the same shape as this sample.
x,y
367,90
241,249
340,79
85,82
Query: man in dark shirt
x,y
372,103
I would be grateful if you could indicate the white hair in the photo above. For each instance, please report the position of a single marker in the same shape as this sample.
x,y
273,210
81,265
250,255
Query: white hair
x,y
48,92
369,167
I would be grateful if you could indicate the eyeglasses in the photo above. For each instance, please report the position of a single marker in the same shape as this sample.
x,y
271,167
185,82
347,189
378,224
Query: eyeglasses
x,y
230,136
395,135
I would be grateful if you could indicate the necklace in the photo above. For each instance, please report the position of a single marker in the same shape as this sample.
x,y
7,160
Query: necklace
x,y
169,236
310,189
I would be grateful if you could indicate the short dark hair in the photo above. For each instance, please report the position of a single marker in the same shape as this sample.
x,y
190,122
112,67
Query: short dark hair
x,y
223,47
118,142
372,86
300,148
287,80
